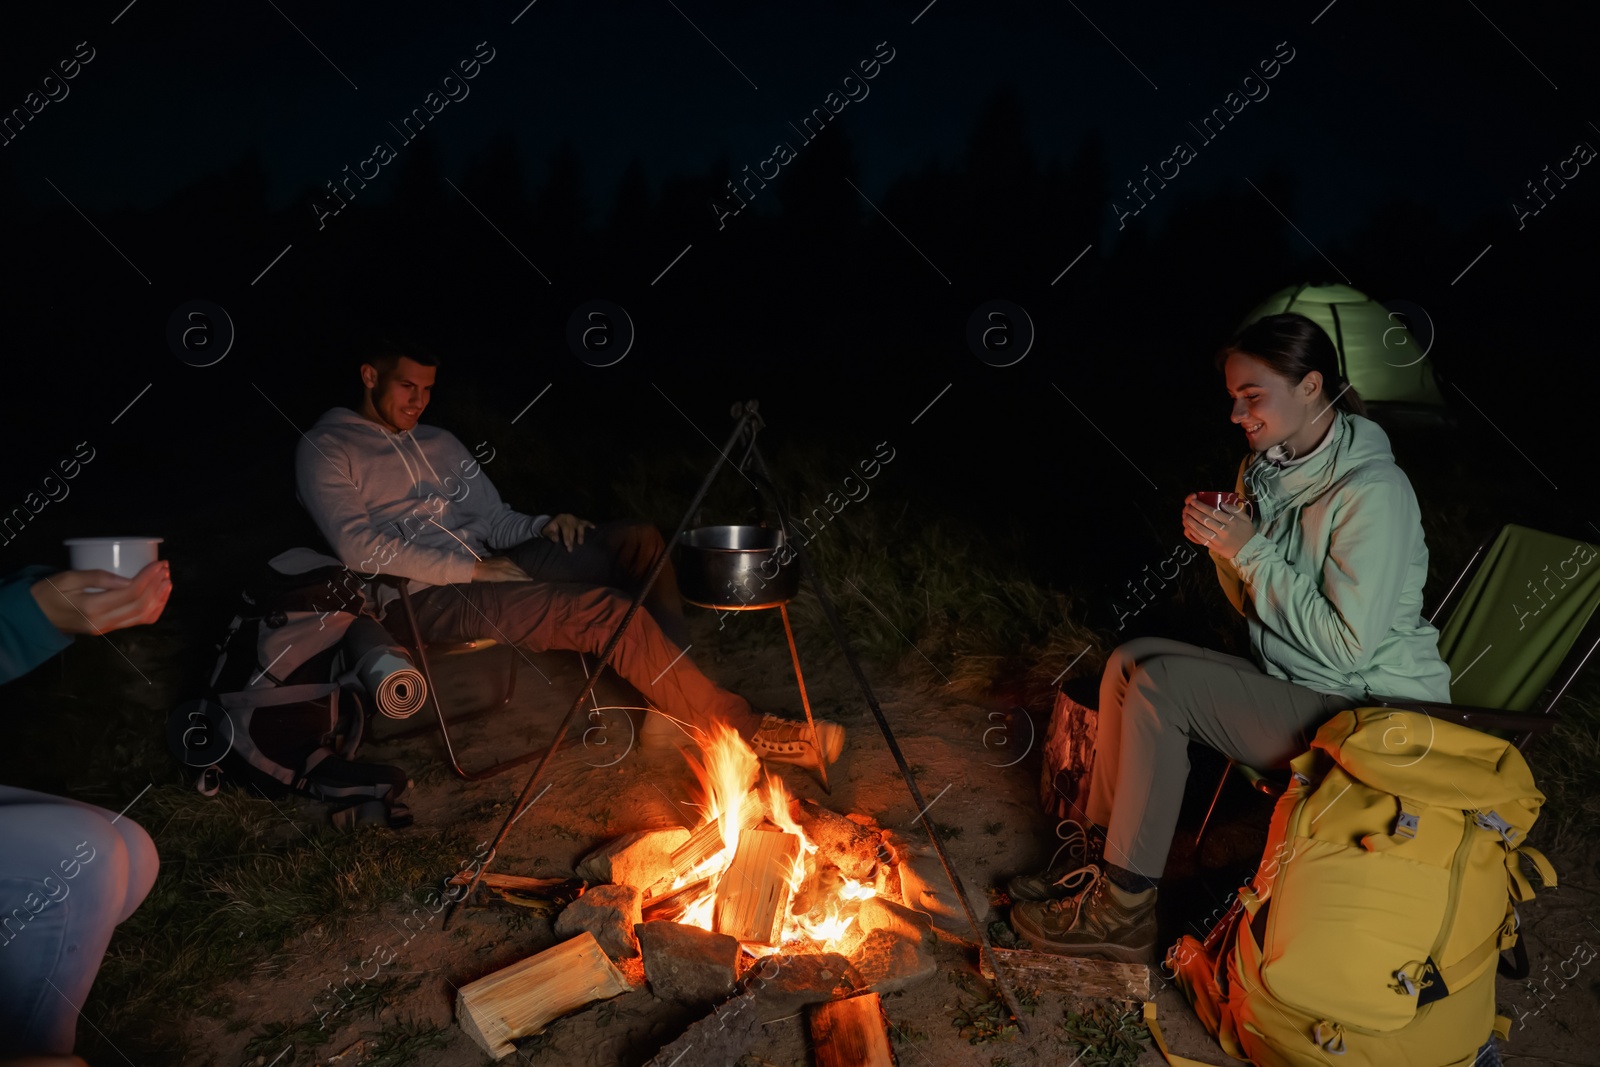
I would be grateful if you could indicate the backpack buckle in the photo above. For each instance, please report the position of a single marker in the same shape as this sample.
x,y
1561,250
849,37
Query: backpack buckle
x,y
1329,1037
1490,820
1406,984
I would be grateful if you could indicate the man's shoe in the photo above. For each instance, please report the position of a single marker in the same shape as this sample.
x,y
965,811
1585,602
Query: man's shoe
x,y
1104,921
789,741
1083,845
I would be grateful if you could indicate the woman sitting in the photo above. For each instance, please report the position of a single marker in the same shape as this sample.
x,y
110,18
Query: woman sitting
x,y
1329,574
70,872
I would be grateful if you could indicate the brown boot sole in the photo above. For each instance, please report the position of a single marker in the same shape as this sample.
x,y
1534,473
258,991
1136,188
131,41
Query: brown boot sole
x,y
1115,952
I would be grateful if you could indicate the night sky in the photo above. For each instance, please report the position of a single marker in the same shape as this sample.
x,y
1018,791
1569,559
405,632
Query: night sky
x,y
188,158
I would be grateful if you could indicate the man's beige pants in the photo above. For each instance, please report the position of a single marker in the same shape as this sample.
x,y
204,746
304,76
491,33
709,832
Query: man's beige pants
x,y
1158,695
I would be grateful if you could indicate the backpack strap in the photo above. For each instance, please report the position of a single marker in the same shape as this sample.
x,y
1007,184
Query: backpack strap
x,y
1475,960
1161,1041
1406,822
1521,888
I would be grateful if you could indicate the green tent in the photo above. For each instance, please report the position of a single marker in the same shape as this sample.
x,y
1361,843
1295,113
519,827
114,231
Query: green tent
x,y
1378,356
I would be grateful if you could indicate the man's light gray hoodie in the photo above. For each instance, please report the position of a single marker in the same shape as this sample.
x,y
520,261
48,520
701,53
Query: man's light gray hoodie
x,y
415,504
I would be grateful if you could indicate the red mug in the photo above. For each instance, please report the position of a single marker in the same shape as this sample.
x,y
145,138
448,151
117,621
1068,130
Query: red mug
x,y
1217,500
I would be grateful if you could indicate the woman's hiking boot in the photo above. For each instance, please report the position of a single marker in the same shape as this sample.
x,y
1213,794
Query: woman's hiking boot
x,y
1083,846
1102,921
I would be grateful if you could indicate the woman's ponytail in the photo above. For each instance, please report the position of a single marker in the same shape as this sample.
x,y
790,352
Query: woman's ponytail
x,y
1349,400
1294,346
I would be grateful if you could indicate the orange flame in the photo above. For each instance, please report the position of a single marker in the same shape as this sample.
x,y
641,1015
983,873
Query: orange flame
x,y
727,776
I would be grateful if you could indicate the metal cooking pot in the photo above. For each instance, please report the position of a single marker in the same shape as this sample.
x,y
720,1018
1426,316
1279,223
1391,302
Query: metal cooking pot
x,y
734,568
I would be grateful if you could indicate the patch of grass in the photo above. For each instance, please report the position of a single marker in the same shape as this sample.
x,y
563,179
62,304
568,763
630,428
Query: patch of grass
x,y
374,996
1107,1038
993,828
987,1019
240,877
983,1022
948,831
1566,765
401,1043
274,1038
904,582
905,585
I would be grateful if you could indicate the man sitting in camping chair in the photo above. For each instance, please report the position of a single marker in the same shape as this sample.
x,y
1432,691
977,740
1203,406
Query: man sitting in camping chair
x,y
408,500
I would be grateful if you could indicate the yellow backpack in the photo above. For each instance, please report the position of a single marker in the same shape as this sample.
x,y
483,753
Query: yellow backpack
x,y
1387,891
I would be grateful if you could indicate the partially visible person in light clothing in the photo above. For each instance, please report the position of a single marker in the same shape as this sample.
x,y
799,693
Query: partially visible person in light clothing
x,y
70,872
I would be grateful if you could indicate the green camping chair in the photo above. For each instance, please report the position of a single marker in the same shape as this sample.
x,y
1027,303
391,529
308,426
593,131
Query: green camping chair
x,y
1520,626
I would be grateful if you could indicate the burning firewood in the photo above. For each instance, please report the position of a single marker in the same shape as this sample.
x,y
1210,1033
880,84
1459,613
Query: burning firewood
x,y
525,997
848,845
821,886
670,905
851,1033
753,895
707,839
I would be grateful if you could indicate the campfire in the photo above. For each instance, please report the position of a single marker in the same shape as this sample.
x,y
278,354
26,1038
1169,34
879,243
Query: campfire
x,y
749,870
692,911
768,898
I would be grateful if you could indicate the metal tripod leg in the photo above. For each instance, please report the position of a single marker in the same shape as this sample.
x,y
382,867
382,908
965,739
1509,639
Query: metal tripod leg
x,y
438,706
805,702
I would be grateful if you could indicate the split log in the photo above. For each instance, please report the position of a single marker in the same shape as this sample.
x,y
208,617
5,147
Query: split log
x,y
753,895
851,1033
641,858
524,998
671,904
1072,977
706,840
1068,758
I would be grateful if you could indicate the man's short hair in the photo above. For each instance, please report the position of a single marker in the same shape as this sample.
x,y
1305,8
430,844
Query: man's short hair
x,y
385,353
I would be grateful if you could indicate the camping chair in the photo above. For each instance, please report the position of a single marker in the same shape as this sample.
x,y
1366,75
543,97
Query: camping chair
x,y
1520,627
422,649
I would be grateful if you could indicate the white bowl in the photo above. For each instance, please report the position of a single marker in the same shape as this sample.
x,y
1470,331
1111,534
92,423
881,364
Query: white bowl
x,y
125,556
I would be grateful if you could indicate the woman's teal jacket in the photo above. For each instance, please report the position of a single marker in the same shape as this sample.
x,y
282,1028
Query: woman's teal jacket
x,y
1331,583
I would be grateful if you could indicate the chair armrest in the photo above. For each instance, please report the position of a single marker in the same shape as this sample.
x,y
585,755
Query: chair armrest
x,y
1466,715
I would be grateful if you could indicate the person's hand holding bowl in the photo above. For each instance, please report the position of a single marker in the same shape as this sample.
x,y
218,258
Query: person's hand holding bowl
x,y
98,601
